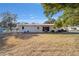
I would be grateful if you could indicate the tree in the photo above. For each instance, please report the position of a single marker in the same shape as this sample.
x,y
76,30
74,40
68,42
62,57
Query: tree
x,y
58,24
70,15
52,8
8,20
49,21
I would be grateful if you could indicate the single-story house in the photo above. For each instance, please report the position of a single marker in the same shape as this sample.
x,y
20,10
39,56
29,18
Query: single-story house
x,y
34,27
72,28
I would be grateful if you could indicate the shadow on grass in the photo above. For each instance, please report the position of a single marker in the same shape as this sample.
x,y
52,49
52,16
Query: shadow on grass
x,y
56,33
23,36
3,38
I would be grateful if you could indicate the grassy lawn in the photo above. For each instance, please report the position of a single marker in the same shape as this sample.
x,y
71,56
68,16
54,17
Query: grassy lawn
x,y
39,44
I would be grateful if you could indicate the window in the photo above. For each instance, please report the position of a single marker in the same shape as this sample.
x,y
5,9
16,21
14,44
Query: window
x,y
74,28
22,27
37,27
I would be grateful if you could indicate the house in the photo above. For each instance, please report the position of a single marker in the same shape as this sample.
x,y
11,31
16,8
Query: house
x,y
72,28
34,27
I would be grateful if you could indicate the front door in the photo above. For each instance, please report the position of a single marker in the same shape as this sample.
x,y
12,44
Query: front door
x,y
45,29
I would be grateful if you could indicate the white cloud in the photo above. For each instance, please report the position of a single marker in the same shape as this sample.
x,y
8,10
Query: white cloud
x,y
32,17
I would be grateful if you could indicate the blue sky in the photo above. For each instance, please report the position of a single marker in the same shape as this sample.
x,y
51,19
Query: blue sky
x,y
26,12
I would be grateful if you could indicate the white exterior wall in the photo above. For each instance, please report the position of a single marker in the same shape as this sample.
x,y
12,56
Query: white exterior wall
x,y
71,29
77,28
51,28
33,28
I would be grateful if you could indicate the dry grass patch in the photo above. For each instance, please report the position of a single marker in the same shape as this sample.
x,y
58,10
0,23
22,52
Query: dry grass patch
x,y
42,44
12,41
